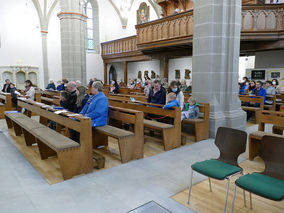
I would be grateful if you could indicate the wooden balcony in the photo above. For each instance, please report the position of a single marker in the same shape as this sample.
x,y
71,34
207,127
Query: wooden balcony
x,y
262,29
124,49
176,30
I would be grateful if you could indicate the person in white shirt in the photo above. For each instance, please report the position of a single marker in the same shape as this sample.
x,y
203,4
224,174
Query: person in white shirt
x,y
29,91
174,88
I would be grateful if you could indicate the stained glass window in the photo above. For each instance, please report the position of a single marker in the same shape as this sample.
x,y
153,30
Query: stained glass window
x,y
89,27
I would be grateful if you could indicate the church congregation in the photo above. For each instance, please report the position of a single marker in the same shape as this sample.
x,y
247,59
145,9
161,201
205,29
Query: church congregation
x,y
142,106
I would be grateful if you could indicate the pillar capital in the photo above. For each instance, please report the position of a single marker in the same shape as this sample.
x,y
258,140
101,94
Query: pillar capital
x,y
72,15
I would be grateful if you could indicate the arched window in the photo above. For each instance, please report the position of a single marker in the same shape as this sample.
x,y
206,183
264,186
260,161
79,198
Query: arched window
x,y
90,26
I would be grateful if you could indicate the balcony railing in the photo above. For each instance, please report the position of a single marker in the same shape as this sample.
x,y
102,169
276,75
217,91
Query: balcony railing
x,y
123,45
259,23
263,18
177,28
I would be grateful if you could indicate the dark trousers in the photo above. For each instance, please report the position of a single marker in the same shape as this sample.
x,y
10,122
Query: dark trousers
x,y
74,135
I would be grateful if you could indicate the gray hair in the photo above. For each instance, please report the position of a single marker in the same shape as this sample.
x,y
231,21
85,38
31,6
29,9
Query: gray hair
x,y
98,85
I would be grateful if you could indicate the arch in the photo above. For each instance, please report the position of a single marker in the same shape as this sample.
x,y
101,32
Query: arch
x,y
32,76
112,74
20,79
94,32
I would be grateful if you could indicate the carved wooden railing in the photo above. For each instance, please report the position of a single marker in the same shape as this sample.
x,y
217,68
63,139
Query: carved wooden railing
x,y
263,18
123,45
259,22
171,28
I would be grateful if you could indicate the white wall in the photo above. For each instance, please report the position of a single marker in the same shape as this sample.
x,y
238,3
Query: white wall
x,y
21,38
180,64
270,59
244,64
20,35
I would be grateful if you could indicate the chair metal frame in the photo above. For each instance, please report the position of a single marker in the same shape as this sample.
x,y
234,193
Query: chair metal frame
x,y
226,159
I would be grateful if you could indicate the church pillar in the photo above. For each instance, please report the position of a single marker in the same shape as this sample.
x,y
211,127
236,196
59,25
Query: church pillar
x,y
73,25
216,48
125,70
44,57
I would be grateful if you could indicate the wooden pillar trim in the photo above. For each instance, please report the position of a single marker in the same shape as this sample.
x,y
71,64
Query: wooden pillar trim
x,y
105,73
125,70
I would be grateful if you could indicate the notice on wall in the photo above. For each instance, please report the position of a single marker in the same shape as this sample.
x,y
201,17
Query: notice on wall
x,y
258,74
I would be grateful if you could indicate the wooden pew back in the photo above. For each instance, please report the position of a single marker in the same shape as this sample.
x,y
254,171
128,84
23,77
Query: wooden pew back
x,y
271,117
254,99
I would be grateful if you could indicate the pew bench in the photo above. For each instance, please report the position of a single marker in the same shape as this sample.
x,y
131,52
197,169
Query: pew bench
x,y
50,143
7,105
171,133
253,99
73,158
201,124
272,117
131,144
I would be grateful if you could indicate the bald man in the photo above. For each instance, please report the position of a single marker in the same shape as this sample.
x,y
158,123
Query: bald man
x,y
71,98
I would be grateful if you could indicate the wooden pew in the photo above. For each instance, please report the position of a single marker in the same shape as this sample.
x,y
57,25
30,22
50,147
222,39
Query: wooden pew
x,y
50,101
50,93
272,117
271,107
131,144
8,103
141,98
171,133
253,99
201,125
73,158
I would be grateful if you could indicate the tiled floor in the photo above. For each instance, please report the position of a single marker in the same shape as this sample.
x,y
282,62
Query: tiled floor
x,y
119,189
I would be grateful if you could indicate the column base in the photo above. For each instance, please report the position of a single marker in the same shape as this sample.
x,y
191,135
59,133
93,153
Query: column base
x,y
235,119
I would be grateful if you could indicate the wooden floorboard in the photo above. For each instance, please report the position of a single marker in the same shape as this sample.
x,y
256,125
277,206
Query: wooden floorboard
x,y
203,201
50,171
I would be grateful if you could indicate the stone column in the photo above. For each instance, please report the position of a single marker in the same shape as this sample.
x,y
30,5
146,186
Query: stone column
x,y
216,49
73,43
166,68
44,58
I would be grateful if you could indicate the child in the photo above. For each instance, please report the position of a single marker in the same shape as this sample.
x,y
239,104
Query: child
x,y
63,97
191,109
172,101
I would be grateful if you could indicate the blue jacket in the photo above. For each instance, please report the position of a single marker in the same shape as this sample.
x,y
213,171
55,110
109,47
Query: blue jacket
x,y
171,104
242,90
262,92
60,87
97,109
158,98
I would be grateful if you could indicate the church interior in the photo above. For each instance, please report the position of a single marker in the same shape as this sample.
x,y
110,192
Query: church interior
x,y
142,106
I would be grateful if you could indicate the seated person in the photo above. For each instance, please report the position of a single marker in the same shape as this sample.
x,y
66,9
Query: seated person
x,y
60,86
157,95
257,91
114,88
172,101
14,94
270,90
96,108
82,98
191,109
71,99
51,85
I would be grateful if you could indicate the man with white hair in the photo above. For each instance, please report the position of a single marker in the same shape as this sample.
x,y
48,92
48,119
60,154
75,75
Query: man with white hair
x,y
71,98
78,83
51,85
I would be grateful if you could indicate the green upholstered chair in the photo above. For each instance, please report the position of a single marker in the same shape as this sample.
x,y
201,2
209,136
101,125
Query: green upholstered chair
x,y
231,143
269,183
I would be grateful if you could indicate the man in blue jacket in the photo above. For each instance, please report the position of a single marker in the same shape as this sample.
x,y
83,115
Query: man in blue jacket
x,y
96,108
257,91
157,95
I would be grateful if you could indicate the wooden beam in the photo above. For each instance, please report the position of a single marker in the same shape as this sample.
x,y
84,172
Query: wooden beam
x,y
105,73
125,63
